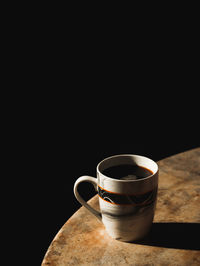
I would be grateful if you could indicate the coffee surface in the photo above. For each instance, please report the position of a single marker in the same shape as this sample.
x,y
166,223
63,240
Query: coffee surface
x,y
127,172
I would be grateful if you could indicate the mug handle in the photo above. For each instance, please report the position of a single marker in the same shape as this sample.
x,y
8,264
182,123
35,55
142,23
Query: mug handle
x,y
92,180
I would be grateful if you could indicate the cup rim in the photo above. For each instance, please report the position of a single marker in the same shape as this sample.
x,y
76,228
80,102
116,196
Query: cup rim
x,y
129,155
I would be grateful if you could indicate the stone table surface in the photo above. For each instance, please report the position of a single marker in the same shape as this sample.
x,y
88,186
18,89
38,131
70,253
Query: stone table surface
x,y
173,240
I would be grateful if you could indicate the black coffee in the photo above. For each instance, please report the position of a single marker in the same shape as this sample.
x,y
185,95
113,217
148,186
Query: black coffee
x,y
127,172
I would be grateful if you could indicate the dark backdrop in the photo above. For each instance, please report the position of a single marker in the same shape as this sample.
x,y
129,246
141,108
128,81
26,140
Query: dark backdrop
x,y
83,92
73,137
94,110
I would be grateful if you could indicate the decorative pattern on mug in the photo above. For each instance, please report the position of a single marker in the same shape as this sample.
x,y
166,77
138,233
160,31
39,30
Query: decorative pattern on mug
x,y
123,199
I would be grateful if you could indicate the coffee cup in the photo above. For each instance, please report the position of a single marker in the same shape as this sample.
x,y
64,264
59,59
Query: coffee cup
x,y
127,187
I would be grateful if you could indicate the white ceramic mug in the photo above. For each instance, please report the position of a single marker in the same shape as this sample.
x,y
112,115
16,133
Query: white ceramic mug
x,y
126,206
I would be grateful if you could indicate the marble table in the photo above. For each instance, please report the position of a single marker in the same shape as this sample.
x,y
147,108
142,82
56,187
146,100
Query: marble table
x,y
173,240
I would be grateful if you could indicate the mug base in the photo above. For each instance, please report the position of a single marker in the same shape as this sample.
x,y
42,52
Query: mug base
x,y
129,230
131,239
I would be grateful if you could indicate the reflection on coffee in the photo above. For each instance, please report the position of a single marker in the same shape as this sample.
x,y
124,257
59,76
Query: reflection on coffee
x,y
127,172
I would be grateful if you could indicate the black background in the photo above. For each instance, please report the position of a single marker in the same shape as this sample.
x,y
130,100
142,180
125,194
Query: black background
x,y
64,132
85,101
81,86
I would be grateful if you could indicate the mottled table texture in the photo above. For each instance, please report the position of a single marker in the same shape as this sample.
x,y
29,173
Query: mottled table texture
x,y
174,238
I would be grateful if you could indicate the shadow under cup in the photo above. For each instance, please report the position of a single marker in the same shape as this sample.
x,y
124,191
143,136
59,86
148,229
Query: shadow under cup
x,y
127,206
